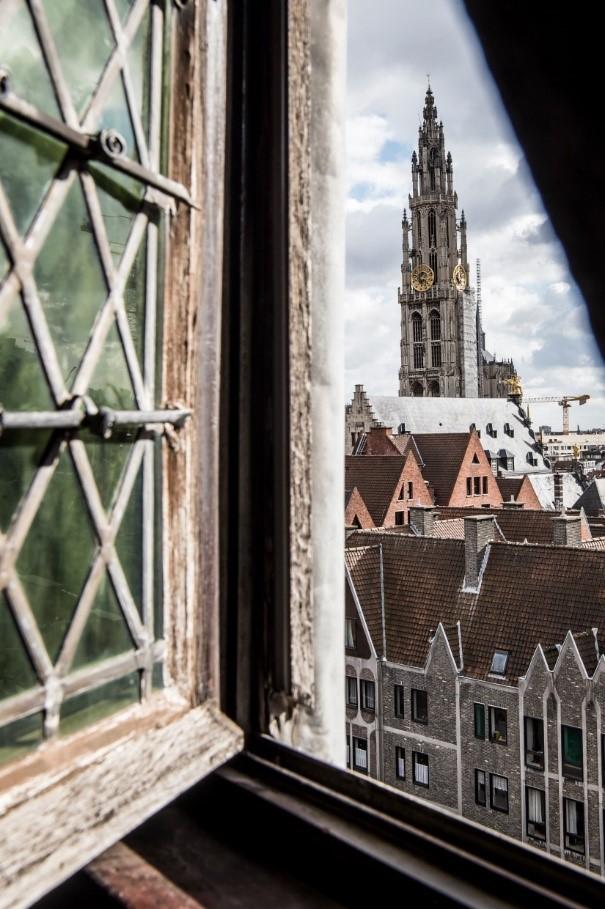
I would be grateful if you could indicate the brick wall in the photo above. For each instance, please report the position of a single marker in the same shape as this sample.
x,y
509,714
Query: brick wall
x,y
458,496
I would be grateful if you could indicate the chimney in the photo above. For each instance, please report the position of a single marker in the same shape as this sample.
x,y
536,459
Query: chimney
x,y
558,491
479,530
422,518
567,530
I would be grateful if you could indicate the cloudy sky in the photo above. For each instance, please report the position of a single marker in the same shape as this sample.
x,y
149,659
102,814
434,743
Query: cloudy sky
x,y
532,310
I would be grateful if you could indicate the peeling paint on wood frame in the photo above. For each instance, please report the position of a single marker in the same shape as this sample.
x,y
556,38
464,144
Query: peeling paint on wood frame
x,y
65,803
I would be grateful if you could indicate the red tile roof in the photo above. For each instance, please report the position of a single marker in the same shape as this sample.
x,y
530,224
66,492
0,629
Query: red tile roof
x,y
529,595
376,478
442,454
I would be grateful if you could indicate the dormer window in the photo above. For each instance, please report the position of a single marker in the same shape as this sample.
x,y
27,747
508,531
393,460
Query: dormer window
x,y
491,431
508,429
499,662
349,633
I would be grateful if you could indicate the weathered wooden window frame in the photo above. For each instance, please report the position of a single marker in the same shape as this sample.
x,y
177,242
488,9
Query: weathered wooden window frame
x,y
64,803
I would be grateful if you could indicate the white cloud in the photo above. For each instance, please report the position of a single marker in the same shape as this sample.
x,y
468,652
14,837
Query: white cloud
x,y
532,310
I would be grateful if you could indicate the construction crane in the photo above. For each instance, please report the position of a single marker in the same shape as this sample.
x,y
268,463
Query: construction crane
x,y
564,402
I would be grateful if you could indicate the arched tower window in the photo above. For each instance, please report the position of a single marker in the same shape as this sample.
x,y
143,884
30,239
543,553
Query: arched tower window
x,y
432,228
418,344
435,328
433,262
417,390
416,328
419,229
432,167
434,390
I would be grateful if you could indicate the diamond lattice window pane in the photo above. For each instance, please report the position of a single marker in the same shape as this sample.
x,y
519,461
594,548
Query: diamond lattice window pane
x,y
120,200
70,281
84,41
21,55
110,385
123,7
108,459
22,382
4,262
94,705
57,555
16,671
134,300
105,633
114,114
28,161
21,452
139,60
129,542
20,737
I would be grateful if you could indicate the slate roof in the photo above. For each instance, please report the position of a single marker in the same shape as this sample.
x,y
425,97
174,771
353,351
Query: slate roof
x,y
529,595
364,563
442,454
376,479
544,487
592,499
509,486
455,415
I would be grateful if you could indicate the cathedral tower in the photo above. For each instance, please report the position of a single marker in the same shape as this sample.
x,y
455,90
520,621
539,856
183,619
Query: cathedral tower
x,y
440,333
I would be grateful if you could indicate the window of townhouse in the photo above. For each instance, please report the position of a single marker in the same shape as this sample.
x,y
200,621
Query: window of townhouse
x,y
535,809
480,787
571,752
400,762
420,705
420,764
534,743
368,694
360,755
573,825
109,289
479,720
497,725
351,683
399,701
498,792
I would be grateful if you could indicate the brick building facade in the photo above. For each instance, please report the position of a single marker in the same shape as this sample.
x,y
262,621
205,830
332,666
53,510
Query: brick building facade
x,y
489,694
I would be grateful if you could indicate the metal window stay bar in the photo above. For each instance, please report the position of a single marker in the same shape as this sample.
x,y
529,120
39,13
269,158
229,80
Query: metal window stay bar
x,y
107,146
100,420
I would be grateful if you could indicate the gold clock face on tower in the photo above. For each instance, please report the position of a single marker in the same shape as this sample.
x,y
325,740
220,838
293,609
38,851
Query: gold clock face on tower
x,y
459,277
422,278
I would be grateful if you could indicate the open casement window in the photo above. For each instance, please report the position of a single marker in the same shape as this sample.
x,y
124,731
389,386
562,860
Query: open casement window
x,y
534,742
104,625
497,725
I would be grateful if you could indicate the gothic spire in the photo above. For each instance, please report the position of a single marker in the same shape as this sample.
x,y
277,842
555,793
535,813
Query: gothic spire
x,y
430,111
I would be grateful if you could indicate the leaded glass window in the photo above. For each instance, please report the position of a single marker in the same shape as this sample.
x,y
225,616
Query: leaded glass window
x,y
82,211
